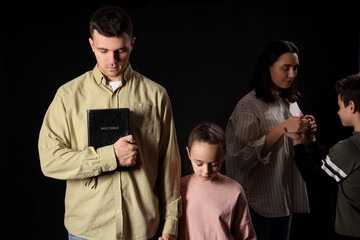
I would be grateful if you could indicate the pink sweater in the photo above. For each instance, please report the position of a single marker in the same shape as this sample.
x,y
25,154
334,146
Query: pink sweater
x,y
214,210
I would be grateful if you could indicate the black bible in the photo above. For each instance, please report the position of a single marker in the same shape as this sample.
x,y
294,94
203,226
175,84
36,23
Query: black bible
x,y
106,126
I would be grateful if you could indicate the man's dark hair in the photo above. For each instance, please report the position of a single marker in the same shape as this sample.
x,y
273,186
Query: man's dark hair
x,y
261,80
111,21
349,90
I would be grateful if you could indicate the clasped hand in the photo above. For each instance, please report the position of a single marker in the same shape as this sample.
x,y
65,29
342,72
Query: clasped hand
x,y
302,129
126,151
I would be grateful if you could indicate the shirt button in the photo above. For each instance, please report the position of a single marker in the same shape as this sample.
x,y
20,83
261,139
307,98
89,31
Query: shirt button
x,y
118,210
117,191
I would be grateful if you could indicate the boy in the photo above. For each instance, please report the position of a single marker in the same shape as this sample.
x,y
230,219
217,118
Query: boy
x,y
341,165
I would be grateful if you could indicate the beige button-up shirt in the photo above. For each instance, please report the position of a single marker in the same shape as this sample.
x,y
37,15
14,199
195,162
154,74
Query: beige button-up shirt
x,y
273,184
124,204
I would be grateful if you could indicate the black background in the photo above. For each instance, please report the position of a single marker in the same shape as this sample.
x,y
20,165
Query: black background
x,y
202,52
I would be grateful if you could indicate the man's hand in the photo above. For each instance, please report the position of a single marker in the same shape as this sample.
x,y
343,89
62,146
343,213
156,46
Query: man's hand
x,y
126,151
166,236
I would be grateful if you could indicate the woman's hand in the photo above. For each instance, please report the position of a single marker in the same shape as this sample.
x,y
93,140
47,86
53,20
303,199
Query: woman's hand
x,y
306,137
296,124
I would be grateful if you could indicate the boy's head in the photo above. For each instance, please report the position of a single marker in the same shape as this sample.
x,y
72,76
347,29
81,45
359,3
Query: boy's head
x,y
206,150
348,90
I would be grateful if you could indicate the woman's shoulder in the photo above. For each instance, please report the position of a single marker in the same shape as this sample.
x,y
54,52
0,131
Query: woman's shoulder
x,y
249,96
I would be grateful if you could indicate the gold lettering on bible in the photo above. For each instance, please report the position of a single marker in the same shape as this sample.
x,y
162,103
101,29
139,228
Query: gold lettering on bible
x,y
109,128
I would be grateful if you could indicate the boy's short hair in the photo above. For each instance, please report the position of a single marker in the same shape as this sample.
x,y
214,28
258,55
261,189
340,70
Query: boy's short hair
x,y
349,90
209,133
111,21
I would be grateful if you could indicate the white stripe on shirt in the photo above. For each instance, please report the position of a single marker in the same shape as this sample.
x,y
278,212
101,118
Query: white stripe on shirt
x,y
333,171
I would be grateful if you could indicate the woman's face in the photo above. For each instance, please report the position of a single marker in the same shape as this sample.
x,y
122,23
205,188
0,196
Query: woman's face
x,y
284,71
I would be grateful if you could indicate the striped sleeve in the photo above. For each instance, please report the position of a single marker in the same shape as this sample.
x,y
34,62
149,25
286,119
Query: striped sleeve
x,y
340,161
332,170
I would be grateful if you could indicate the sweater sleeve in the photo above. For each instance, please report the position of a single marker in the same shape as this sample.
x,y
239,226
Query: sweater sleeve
x,y
309,162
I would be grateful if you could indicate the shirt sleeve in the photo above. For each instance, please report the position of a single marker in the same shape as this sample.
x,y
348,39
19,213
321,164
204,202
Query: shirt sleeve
x,y
309,161
168,181
58,159
339,163
242,227
244,141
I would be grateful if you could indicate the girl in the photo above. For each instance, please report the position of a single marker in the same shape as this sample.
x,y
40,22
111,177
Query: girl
x,y
214,206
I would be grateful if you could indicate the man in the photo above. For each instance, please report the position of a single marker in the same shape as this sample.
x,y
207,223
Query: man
x,y
104,201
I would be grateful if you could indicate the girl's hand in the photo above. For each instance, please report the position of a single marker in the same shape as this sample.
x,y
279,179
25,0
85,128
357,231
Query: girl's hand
x,y
166,236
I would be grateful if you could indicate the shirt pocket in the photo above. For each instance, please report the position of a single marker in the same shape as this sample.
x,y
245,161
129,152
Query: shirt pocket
x,y
142,118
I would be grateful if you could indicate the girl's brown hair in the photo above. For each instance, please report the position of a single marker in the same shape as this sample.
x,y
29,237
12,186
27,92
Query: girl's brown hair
x,y
209,133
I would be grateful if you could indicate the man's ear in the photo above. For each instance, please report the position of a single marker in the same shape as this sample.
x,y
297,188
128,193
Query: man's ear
x,y
133,42
91,41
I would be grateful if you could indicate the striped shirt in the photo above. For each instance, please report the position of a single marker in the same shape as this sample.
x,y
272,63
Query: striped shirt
x,y
273,184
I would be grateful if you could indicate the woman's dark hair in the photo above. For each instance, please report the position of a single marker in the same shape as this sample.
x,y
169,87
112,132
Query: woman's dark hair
x,y
349,90
261,80
111,21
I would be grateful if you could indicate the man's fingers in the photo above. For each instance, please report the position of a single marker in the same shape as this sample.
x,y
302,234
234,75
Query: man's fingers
x,y
128,138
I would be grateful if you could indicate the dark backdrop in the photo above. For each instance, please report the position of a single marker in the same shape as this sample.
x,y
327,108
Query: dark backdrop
x,y
202,52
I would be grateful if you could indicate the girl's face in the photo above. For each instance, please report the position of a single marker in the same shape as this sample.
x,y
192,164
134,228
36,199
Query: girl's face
x,y
206,160
284,71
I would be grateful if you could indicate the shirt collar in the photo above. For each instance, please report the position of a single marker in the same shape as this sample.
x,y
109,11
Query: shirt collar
x,y
356,134
100,79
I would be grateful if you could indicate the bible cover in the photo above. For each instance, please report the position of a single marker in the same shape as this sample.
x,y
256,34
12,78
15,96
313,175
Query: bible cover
x,y
106,126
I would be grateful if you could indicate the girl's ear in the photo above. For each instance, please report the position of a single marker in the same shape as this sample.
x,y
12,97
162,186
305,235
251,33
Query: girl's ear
x,y
188,151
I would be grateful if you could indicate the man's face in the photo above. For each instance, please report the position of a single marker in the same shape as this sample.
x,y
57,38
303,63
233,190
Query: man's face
x,y
112,54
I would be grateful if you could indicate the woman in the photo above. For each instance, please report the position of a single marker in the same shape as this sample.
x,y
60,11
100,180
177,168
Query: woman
x,y
260,156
